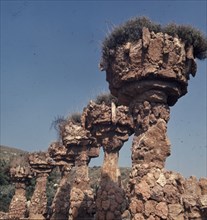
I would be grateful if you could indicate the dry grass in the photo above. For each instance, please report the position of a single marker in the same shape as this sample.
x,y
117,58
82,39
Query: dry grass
x,y
132,31
106,98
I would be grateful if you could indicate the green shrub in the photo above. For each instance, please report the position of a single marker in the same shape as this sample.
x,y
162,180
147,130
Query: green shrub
x,y
132,31
6,194
30,187
4,172
52,179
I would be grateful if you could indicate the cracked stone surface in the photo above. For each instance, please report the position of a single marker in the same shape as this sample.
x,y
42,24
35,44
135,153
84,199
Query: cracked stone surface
x,y
61,201
157,61
150,75
41,166
82,147
111,125
20,174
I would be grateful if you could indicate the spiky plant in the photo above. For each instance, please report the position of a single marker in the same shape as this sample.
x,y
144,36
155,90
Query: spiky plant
x,y
75,118
131,31
190,36
58,123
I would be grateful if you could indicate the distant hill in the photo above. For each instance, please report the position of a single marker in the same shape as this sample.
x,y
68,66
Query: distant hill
x,y
7,188
6,153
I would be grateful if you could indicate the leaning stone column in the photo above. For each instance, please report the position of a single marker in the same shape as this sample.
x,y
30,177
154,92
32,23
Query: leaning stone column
x,y
82,147
111,125
20,174
60,204
41,167
149,73
17,208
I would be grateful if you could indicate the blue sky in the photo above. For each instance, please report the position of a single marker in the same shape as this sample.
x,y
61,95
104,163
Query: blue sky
x,y
50,52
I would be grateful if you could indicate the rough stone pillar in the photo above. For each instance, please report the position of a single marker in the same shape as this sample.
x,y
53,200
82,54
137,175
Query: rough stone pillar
x,y
111,199
41,166
149,73
61,202
20,174
111,126
82,147
38,205
17,208
81,195
110,168
150,146
81,163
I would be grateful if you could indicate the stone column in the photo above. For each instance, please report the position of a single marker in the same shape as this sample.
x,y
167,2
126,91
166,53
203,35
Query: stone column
x,y
61,202
81,164
81,195
20,174
17,208
150,148
38,205
149,74
41,166
110,166
82,147
111,199
111,126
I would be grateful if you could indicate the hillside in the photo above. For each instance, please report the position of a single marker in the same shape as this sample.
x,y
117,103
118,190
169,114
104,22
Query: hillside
x,y
7,188
6,153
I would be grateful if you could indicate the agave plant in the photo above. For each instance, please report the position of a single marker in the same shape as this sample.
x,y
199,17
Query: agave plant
x,y
131,31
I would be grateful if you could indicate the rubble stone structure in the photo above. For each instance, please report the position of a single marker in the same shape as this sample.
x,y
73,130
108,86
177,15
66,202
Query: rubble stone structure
x,y
41,165
82,147
149,75
112,126
20,174
61,201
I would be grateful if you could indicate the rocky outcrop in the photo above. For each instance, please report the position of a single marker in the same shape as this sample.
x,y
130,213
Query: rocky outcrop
x,y
156,61
61,201
150,149
41,165
82,147
111,125
20,174
4,215
162,194
149,75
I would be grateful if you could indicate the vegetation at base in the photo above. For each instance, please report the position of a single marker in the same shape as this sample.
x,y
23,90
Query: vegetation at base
x,y
106,98
30,187
7,187
52,182
131,31
6,194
